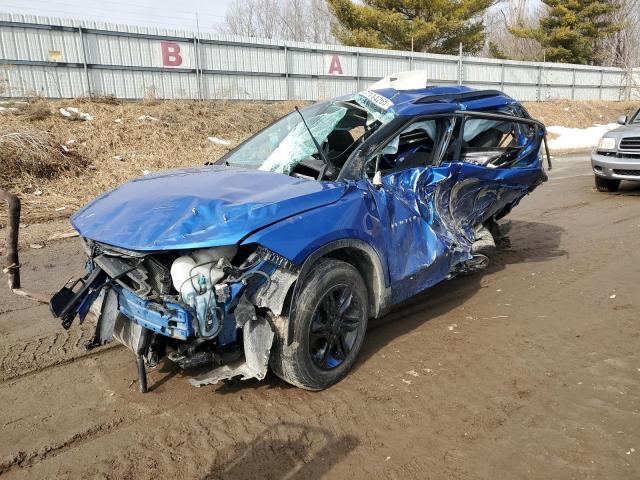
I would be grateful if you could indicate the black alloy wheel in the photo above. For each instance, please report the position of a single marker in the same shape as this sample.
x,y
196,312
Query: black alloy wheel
x,y
332,309
334,327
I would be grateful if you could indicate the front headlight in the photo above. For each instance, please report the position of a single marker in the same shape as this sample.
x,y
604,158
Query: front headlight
x,y
607,143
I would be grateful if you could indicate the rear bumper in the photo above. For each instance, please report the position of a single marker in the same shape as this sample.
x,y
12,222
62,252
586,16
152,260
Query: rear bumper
x,y
616,168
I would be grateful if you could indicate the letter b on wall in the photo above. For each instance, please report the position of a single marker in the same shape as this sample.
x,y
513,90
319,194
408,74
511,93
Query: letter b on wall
x,y
170,54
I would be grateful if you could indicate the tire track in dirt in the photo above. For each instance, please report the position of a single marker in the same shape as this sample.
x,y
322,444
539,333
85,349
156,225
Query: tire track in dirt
x,y
15,309
44,352
60,363
246,445
26,459
99,410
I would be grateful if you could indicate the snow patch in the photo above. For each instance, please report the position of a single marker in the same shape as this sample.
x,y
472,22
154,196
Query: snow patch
x,y
570,138
147,118
219,141
75,114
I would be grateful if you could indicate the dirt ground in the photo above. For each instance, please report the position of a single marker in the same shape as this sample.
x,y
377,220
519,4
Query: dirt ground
x,y
530,370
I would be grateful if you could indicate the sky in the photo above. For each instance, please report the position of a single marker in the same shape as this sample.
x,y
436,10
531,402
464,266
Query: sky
x,y
179,15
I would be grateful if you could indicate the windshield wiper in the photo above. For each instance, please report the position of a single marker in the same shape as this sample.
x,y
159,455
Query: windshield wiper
x,y
323,157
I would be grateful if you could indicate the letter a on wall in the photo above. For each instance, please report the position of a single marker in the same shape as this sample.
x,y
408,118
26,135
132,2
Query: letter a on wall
x,y
335,65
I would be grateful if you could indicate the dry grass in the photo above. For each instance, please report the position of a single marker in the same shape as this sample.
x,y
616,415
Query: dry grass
x,y
116,146
579,114
36,109
35,153
108,99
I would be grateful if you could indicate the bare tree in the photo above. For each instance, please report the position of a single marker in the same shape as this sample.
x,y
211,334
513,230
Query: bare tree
x,y
297,20
623,48
501,42
320,22
253,18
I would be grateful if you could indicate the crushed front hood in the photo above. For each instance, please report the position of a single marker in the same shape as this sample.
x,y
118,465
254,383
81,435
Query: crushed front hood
x,y
198,207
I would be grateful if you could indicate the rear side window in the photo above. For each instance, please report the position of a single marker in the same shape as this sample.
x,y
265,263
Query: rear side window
x,y
497,143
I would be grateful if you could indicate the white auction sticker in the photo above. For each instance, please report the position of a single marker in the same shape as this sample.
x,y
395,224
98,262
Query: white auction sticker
x,y
377,99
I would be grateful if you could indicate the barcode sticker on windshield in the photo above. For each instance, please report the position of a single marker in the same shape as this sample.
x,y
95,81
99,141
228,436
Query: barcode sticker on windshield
x,y
377,99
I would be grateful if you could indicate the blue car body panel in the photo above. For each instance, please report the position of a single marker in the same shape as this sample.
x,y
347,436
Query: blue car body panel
x,y
354,216
404,102
432,212
197,207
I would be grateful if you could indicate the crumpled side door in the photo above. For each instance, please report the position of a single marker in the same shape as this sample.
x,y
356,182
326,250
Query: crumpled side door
x,y
459,196
416,247
496,162
430,212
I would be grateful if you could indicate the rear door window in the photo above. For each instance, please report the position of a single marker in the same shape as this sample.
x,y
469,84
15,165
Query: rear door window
x,y
496,143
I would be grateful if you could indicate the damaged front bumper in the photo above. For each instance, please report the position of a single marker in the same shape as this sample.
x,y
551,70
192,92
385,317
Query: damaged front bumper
x,y
227,325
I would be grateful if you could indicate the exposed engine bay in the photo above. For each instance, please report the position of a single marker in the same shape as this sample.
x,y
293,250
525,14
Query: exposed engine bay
x,y
204,307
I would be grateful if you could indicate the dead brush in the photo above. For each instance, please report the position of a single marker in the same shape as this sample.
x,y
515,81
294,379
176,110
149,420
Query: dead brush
x,y
578,113
34,153
37,109
106,99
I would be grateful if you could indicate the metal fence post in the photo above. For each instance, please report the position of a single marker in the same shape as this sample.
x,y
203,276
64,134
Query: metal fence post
x,y
539,92
286,73
573,84
358,70
196,48
84,63
460,65
601,85
502,77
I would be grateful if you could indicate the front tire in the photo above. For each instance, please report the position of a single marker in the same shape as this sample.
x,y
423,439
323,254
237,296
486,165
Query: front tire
x,y
606,184
329,327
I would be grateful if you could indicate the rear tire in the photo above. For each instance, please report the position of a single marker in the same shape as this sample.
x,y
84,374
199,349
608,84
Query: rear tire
x,y
606,184
332,309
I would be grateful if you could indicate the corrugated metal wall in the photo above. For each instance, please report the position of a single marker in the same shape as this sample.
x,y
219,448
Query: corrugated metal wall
x,y
66,58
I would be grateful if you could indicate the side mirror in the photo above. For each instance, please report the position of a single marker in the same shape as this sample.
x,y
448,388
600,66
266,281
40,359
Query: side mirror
x,y
377,179
622,119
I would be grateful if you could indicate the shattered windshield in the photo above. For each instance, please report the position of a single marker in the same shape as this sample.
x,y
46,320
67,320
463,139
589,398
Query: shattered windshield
x,y
284,144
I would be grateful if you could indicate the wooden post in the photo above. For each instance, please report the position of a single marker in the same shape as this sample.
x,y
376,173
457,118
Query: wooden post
x,y
13,264
13,267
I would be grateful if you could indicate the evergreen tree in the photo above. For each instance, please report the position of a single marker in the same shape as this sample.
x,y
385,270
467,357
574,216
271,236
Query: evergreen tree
x,y
435,26
572,31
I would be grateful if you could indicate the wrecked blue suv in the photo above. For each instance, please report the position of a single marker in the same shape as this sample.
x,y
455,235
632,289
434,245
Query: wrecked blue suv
x,y
279,253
